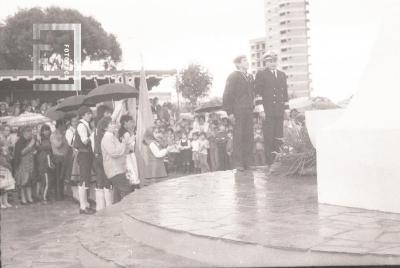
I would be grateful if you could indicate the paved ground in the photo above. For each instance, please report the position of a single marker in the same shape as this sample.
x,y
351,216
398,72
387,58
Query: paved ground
x,y
51,236
253,207
267,210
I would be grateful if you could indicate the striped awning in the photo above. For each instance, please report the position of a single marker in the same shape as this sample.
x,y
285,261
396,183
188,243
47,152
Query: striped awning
x,y
16,75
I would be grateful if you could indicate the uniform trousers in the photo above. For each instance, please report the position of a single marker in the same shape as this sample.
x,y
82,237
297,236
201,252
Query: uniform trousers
x,y
243,139
273,133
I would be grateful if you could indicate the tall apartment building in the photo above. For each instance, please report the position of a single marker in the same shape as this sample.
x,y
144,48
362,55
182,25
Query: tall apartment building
x,y
257,50
286,34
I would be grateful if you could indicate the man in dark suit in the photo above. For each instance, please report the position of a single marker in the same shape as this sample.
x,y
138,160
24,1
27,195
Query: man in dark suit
x,y
238,102
271,88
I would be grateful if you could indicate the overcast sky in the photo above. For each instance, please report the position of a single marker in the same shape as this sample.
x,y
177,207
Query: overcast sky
x,y
173,33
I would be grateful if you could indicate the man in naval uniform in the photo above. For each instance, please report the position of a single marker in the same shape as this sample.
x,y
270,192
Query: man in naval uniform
x,y
238,102
271,103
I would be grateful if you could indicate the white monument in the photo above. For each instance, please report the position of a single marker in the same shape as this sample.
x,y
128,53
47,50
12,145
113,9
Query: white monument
x,y
358,156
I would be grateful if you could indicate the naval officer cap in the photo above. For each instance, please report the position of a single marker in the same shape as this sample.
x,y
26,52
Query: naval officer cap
x,y
269,55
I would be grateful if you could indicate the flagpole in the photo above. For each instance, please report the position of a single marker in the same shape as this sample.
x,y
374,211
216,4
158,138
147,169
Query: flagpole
x,y
177,92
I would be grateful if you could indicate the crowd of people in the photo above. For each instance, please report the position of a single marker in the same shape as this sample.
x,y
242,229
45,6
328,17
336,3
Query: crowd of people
x,y
45,160
10,108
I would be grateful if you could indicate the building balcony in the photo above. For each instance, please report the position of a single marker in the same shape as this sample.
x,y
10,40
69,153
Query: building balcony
x,y
293,27
298,77
293,59
294,68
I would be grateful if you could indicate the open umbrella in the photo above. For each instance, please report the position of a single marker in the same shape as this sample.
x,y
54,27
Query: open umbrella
x,y
55,114
210,106
72,103
109,92
28,119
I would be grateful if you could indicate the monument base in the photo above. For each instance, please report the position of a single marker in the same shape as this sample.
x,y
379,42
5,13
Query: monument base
x,y
359,168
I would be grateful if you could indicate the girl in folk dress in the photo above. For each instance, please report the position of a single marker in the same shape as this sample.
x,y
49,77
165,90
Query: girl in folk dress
x,y
25,149
7,180
126,135
44,160
153,156
72,169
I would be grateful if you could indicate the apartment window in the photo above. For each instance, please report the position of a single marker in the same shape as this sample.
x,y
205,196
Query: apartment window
x,y
258,47
263,46
258,64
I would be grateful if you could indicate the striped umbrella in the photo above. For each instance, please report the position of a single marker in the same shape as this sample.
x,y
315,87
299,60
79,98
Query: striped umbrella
x,y
28,119
5,119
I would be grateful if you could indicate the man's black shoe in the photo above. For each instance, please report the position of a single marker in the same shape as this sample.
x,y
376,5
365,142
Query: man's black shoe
x,y
86,211
240,169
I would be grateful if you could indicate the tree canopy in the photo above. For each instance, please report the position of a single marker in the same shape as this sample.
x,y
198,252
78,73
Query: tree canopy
x,y
194,82
16,37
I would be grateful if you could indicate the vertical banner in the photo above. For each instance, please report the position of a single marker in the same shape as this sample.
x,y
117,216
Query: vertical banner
x,y
144,120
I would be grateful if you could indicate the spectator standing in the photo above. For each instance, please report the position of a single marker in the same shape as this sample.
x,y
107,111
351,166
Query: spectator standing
x,y
221,139
185,153
153,156
45,163
102,191
85,157
195,152
114,155
72,169
200,124
204,145
213,151
16,110
126,134
156,108
8,182
25,149
3,109
173,154
60,149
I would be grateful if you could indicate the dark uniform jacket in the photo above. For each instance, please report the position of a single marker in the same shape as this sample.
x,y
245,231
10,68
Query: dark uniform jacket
x,y
273,91
239,93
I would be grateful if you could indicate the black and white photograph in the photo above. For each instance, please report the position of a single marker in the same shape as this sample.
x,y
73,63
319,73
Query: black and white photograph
x,y
199,133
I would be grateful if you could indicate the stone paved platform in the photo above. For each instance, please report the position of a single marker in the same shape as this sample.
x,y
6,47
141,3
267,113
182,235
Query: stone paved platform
x,y
277,212
56,236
